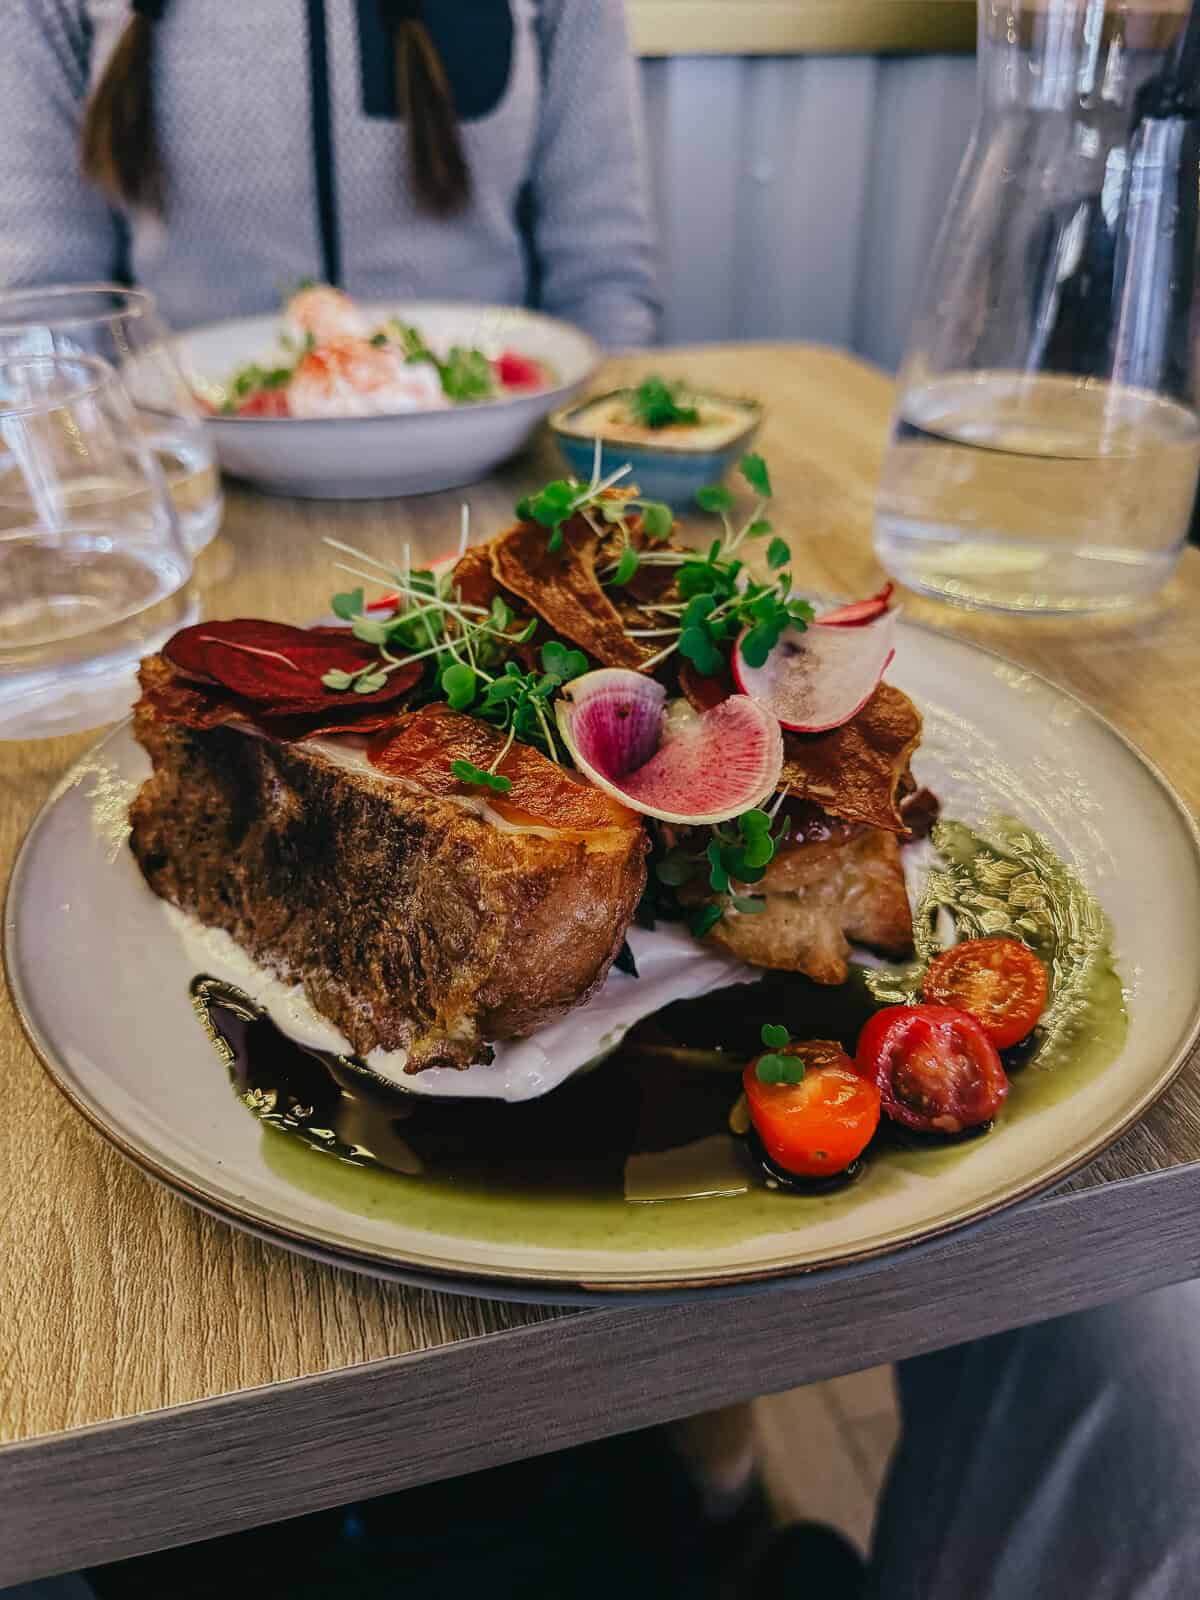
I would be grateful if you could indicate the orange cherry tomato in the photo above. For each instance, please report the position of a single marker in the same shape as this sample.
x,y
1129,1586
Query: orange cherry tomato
x,y
935,1068
817,1127
1000,982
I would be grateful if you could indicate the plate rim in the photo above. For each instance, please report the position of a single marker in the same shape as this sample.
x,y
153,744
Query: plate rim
x,y
605,1288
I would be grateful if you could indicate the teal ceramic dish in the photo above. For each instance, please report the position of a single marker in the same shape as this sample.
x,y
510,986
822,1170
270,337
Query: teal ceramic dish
x,y
666,464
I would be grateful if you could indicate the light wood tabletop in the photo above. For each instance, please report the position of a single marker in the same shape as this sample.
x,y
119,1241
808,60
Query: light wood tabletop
x,y
164,1378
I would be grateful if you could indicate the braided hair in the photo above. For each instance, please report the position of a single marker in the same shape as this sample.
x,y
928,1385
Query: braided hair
x,y
120,151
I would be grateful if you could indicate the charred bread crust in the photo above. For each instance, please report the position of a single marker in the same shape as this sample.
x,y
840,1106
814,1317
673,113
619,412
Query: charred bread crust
x,y
411,921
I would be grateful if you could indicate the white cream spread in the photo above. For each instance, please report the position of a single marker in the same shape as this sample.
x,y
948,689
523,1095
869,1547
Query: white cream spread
x,y
671,966
611,419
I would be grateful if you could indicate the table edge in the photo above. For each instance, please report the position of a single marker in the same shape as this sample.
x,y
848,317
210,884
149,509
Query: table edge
x,y
115,1489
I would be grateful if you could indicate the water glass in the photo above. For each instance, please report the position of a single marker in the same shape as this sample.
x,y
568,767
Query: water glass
x,y
1046,445
124,328
93,569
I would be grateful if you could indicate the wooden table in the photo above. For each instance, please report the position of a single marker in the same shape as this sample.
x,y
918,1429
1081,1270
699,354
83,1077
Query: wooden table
x,y
164,1378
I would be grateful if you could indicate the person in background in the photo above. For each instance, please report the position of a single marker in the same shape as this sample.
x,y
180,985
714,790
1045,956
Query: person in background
x,y
218,153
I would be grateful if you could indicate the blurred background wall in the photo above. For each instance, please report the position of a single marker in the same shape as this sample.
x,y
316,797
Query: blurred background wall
x,y
801,164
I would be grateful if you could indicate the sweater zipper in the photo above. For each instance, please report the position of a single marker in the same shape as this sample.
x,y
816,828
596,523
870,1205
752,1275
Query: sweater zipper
x,y
322,143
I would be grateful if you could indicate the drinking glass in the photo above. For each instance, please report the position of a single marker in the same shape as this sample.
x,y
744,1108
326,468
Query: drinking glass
x,y
1045,445
124,328
93,570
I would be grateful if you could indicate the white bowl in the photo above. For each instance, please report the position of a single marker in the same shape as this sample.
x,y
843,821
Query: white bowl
x,y
415,452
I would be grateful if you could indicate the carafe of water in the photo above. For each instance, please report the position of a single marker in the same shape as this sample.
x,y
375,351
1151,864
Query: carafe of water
x,y
1046,444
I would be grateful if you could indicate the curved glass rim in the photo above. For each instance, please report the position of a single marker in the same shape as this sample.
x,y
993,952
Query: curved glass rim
x,y
137,303
102,376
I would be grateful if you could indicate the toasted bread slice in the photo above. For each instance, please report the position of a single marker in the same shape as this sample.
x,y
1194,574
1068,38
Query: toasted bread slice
x,y
414,920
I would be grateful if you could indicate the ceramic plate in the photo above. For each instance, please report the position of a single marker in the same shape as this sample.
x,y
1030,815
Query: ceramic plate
x,y
102,983
357,458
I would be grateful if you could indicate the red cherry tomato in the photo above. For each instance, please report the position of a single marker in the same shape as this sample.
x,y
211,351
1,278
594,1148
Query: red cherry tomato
x,y
817,1127
516,371
999,981
935,1067
266,403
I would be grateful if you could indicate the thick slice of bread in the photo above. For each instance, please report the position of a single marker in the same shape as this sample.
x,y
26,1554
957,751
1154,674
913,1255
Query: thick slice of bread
x,y
412,920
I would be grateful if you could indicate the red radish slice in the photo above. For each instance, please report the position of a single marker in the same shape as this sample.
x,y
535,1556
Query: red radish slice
x,y
858,611
689,770
821,677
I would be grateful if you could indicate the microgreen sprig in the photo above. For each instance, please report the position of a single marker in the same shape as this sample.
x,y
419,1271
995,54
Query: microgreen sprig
x,y
773,1067
471,647
554,505
658,404
719,603
736,853
518,702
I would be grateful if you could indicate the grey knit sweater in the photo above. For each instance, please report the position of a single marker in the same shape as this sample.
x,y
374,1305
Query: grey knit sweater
x,y
267,186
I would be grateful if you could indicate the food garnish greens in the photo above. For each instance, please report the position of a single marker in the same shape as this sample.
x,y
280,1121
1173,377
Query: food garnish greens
x,y
658,404
252,378
718,603
774,1068
470,648
555,505
739,851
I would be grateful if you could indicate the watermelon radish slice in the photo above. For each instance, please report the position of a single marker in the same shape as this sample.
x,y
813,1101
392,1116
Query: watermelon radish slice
x,y
858,611
821,677
688,770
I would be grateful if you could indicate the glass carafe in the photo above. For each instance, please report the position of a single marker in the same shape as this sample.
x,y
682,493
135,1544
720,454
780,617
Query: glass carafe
x,y
1046,444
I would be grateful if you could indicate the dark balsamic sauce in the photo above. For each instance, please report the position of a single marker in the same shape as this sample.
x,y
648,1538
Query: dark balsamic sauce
x,y
650,1123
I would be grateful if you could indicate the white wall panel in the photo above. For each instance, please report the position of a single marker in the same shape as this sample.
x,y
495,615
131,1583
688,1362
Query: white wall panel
x,y
799,196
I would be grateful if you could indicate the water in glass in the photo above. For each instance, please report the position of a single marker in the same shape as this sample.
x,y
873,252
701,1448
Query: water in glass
x,y
123,327
93,571
1046,443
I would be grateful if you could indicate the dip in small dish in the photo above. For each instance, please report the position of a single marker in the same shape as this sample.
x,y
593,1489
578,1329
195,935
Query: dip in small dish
x,y
677,441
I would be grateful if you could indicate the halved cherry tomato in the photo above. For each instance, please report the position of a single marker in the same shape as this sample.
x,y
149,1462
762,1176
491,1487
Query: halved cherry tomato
x,y
516,371
935,1067
999,981
265,403
816,1127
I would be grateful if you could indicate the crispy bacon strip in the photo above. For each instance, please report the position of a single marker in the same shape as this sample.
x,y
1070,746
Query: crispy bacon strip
x,y
562,587
423,744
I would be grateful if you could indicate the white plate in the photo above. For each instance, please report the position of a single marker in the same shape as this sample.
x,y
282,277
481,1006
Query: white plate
x,y
102,986
358,458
